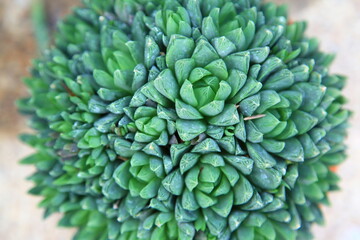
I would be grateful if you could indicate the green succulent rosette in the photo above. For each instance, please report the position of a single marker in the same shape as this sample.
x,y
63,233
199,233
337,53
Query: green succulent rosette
x,y
184,119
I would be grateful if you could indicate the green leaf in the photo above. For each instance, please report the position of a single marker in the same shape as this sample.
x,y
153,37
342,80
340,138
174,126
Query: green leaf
x,y
213,108
223,46
153,149
167,85
123,79
285,231
174,183
209,28
152,51
240,131
190,129
267,123
188,201
287,132
312,95
310,148
140,77
215,132
253,134
122,175
239,61
236,218
231,174
144,111
188,161
204,200
301,73
104,124
249,105
272,145
166,113
223,187
206,146
204,53
152,93
307,174
104,79
177,151
96,105
261,157
228,117
213,159
224,91
237,37
249,32
268,178
163,218
224,205
271,65
36,158
193,8
262,38
280,216
138,99
192,178
295,98
255,220
187,93
150,190
236,80
280,80
186,231
156,165
118,106
243,191
186,111
218,68
136,50
268,98
293,151
209,174
198,74
183,69
258,55
180,47
304,121
255,203
250,88
144,175
122,148
243,164
215,223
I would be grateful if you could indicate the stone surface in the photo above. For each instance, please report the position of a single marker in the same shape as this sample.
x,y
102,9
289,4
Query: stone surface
x,y
336,23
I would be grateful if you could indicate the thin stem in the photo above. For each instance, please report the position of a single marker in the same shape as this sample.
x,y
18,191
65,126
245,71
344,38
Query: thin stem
x,y
254,117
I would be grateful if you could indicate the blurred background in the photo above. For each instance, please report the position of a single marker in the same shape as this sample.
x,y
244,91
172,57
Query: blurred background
x,y
335,22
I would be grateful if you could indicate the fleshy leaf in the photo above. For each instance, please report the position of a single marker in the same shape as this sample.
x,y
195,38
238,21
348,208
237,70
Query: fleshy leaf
x,y
174,183
179,48
223,46
167,85
186,111
190,129
228,117
261,157
188,161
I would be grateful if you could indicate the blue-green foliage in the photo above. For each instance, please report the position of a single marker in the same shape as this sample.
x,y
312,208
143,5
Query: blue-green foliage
x,y
193,119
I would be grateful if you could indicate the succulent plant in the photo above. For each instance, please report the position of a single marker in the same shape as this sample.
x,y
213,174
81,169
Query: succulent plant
x,y
185,119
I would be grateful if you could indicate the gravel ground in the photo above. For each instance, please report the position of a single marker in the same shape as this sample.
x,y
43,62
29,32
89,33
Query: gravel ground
x,y
335,22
